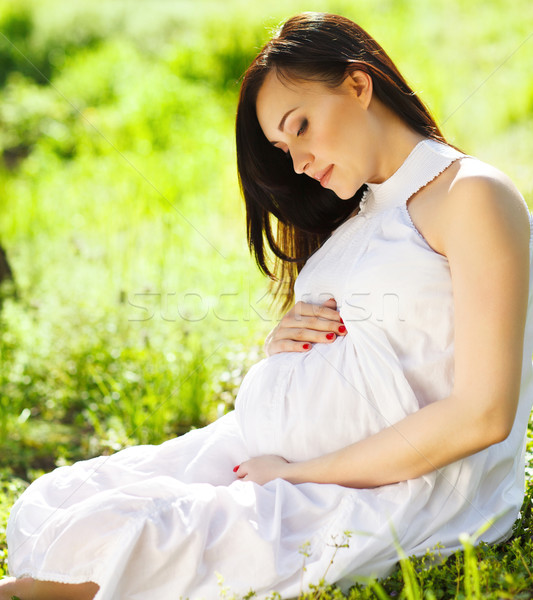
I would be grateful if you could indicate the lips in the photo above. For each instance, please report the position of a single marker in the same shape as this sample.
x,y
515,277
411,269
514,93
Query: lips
x,y
323,176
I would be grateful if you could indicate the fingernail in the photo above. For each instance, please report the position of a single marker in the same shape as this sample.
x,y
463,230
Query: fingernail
x,y
342,321
235,469
306,346
342,328
330,336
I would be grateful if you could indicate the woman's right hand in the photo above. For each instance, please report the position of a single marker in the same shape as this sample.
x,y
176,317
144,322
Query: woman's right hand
x,y
305,324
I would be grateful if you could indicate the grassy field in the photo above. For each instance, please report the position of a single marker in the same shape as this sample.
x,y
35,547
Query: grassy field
x,y
136,309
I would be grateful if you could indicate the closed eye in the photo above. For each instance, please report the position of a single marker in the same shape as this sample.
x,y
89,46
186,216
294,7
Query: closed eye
x,y
303,127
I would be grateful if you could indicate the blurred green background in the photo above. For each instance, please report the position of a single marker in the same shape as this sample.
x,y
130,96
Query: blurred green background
x,y
136,308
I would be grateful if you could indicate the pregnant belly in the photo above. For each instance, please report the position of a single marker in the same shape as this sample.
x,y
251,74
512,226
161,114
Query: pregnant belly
x,y
303,405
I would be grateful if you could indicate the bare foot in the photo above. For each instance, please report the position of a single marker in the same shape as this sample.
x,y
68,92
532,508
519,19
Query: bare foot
x,y
30,589
7,588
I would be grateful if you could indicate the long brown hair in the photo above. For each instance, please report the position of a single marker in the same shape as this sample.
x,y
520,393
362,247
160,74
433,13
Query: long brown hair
x,y
311,47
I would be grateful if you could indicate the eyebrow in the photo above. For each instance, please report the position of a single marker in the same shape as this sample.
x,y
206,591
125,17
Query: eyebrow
x,y
282,124
284,118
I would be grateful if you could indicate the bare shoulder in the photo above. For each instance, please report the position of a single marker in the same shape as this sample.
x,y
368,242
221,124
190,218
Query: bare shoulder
x,y
481,202
483,183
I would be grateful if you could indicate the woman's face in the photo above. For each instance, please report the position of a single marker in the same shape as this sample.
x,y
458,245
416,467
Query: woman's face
x,y
326,132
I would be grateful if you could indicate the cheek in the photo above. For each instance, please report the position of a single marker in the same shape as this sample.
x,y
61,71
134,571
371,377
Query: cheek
x,y
329,133
350,124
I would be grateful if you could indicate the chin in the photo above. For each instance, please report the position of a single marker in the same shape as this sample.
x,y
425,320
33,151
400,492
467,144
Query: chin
x,y
344,194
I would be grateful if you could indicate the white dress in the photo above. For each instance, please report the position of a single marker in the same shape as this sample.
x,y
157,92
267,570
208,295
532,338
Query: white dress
x,y
172,521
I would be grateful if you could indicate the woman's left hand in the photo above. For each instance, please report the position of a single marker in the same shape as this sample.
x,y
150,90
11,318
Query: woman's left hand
x,y
262,469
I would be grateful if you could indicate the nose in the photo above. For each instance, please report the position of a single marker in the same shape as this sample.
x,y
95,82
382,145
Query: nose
x,y
301,161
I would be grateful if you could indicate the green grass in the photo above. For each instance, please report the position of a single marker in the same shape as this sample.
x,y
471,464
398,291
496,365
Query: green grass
x,y
138,309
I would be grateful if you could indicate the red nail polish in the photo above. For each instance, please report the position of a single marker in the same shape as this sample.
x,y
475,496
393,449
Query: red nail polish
x,y
330,336
342,321
235,469
342,328
306,346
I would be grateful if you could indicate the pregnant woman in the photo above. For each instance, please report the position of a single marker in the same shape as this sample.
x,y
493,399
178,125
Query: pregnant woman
x,y
394,400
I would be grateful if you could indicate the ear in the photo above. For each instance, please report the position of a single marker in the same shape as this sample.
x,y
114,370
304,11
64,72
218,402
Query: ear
x,y
360,86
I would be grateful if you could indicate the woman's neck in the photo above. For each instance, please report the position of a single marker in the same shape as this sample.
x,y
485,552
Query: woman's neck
x,y
395,140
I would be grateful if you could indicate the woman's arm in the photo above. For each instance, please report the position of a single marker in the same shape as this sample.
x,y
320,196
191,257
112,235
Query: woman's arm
x,y
484,232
